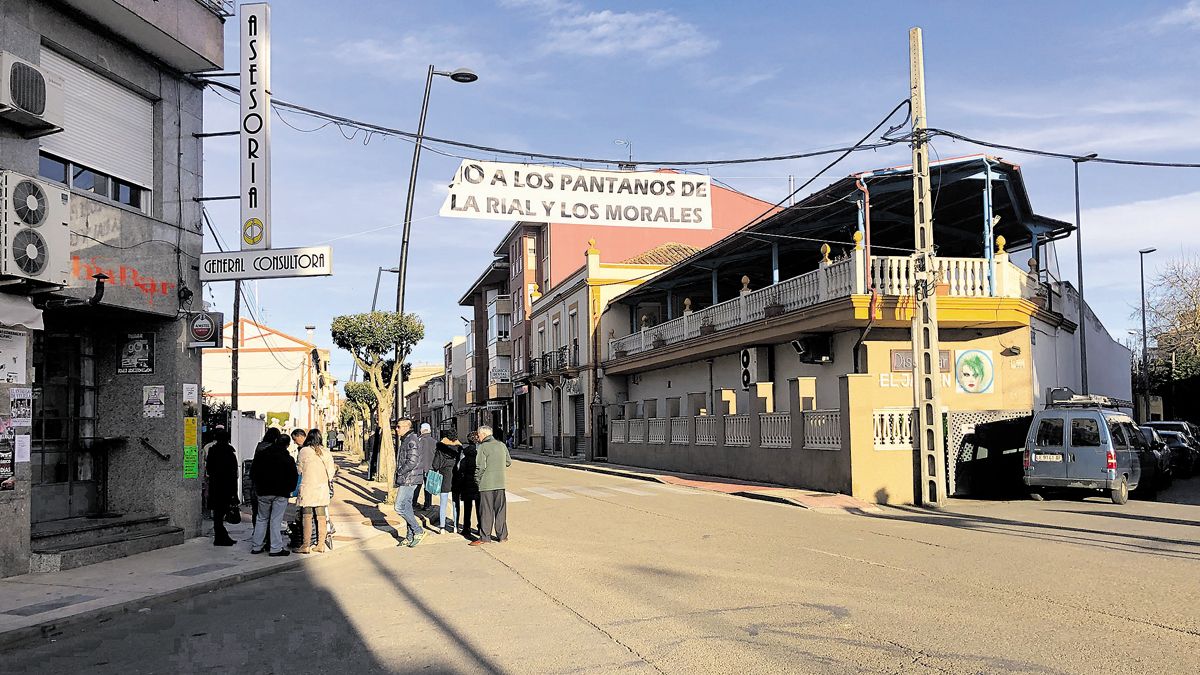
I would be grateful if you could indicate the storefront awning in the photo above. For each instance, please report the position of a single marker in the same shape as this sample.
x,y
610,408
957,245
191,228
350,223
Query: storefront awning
x,y
18,310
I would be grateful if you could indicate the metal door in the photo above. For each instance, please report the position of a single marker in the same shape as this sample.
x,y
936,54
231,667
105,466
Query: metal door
x,y
548,432
1087,459
580,425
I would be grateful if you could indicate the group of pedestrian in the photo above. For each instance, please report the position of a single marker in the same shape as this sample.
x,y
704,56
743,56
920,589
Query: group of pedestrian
x,y
465,477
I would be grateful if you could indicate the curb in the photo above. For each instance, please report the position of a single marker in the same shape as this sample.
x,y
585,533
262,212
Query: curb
x,y
18,637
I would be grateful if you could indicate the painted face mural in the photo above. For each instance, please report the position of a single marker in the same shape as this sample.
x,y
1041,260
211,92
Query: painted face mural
x,y
974,372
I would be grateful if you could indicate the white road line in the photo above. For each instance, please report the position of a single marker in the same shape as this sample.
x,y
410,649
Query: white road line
x,y
509,496
551,494
590,492
632,491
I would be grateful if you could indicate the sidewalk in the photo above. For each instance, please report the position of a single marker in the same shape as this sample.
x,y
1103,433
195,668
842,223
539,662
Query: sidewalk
x,y
821,502
42,604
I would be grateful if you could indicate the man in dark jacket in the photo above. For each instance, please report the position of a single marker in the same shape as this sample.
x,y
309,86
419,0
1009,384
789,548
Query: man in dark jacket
x,y
466,491
274,475
427,446
222,467
409,476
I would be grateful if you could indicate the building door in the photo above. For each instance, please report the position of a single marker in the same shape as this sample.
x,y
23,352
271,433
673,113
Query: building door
x,y
580,425
68,470
548,432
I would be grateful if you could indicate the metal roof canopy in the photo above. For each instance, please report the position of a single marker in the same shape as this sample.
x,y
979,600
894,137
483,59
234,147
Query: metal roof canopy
x,y
831,216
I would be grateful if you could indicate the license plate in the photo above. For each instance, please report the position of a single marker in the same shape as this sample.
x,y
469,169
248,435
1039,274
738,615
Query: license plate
x,y
1047,458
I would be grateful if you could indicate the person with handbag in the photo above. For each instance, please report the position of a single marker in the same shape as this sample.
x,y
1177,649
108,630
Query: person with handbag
x,y
316,469
409,476
444,459
274,475
221,466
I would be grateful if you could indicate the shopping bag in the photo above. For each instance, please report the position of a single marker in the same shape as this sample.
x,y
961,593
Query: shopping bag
x,y
433,482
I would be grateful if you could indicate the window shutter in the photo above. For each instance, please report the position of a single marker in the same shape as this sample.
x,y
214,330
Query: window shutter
x,y
106,126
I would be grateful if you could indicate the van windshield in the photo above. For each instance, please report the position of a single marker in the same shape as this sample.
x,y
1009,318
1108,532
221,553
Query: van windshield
x,y
1085,432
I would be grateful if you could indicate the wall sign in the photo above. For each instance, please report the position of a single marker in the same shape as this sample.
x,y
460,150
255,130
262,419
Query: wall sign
x,y
507,191
572,387
902,360
974,371
13,346
278,263
256,126
206,329
137,354
21,406
154,401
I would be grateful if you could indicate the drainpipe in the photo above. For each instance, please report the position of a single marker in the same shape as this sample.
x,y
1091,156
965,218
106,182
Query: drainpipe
x,y
865,214
988,251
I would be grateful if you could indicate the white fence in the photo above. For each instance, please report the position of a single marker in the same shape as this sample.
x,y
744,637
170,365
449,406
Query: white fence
x,y
775,430
893,428
637,431
657,433
620,431
706,430
679,431
737,430
823,429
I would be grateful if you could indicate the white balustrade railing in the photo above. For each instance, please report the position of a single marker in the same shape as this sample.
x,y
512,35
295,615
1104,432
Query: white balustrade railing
x,y
893,428
737,430
775,430
637,431
657,431
823,429
679,431
890,275
619,432
706,430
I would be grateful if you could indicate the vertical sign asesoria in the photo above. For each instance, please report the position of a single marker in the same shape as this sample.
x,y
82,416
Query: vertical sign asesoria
x,y
255,134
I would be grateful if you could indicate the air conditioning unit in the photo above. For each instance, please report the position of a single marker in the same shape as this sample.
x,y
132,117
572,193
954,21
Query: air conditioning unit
x,y
35,229
30,97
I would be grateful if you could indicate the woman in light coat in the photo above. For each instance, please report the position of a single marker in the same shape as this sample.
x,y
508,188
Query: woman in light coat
x,y
316,470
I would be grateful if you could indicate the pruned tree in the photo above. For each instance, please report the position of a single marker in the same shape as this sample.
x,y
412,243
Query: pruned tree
x,y
359,410
372,339
1173,320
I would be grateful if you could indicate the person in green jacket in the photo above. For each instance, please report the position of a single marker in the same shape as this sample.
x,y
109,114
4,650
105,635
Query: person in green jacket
x,y
490,462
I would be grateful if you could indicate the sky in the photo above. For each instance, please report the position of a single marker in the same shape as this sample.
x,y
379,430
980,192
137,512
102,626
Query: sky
x,y
691,81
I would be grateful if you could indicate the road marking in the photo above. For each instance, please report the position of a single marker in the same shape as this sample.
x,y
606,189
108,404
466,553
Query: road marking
x,y
508,496
551,494
587,491
632,491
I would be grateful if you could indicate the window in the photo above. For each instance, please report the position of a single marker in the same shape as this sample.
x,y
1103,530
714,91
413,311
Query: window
x,y
1134,435
541,340
1085,432
1050,432
1116,432
89,180
557,335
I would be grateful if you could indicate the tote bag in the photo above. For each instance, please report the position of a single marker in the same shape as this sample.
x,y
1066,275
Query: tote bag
x,y
433,482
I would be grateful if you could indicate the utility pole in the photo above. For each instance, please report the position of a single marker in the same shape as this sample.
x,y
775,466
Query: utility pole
x,y
929,459
237,325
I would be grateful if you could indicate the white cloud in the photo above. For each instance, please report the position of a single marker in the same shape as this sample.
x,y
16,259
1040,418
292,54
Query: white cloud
x,y
1187,16
657,36
407,57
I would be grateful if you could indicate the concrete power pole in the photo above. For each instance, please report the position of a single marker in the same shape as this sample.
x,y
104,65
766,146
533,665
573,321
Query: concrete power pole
x,y
237,326
930,459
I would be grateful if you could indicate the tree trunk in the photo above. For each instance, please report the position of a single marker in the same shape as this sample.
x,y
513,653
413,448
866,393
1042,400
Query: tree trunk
x,y
387,450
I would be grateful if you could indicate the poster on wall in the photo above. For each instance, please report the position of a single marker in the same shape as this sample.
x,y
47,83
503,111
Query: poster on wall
x,y
21,406
137,354
191,400
22,445
8,480
13,345
974,372
154,400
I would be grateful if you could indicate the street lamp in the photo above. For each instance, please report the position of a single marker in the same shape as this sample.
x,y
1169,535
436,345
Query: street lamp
x,y
460,75
1083,377
1145,355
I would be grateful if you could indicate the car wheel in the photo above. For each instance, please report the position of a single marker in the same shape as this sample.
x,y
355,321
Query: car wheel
x,y
1120,494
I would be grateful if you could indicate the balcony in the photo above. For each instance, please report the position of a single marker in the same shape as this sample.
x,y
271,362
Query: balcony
x,y
892,276
561,361
500,304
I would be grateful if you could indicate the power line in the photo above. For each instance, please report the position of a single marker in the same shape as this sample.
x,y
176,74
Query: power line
x,y
1059,155
388,131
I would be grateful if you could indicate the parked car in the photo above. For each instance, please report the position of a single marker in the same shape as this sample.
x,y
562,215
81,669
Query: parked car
x,y
1190,431
1083,444
1155,457
1183,455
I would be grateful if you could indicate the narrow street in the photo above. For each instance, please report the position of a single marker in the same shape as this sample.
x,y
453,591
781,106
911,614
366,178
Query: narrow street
x,y
606,574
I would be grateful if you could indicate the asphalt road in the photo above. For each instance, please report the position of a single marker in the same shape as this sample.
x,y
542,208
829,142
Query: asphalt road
x,y
606,574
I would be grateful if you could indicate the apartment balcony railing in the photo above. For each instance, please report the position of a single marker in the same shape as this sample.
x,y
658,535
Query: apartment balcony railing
x,y
555,362
891,275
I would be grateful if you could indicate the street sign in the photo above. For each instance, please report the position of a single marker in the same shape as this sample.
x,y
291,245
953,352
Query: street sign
x,y
204,329
277,263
